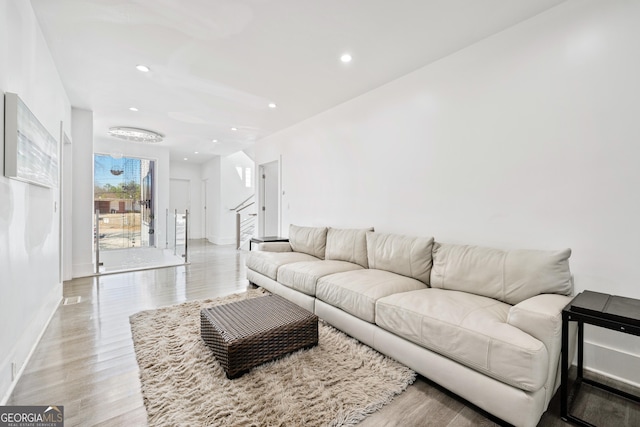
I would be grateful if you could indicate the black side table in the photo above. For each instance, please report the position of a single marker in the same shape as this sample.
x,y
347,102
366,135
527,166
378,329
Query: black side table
x,y
603,310
265,239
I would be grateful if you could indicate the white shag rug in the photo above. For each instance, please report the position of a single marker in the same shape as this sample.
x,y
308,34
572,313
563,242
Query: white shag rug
x,y
339,382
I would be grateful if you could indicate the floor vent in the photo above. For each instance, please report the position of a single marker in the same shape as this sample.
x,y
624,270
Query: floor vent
x,y
72,300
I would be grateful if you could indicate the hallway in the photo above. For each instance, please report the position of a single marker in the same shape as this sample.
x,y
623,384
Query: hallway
x,y
85,360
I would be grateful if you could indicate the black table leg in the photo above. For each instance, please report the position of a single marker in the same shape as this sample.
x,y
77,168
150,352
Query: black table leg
x,y
564,396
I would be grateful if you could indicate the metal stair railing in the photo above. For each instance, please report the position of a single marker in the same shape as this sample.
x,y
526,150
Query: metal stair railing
x,y
244,226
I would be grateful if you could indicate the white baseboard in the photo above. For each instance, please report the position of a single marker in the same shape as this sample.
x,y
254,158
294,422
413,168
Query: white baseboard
x,y
221,240
83,270
613,363
26,346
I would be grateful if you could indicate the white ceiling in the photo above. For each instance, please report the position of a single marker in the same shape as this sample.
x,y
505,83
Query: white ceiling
x,y
217,64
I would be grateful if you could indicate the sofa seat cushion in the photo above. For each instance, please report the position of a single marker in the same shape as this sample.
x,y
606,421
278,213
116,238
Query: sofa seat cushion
x,y
470,329
356,292
303,276
268,263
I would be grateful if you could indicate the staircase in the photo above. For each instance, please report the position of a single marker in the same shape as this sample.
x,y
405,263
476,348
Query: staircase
x,y
245,222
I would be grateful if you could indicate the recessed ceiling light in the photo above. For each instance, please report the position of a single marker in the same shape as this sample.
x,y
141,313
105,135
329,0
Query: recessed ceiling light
x,y
133,109
214,140
272,105
186,158
234,129
143,68
195,152
346,58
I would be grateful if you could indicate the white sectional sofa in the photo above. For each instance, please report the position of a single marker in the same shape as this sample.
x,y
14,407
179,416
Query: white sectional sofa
x,y
484,323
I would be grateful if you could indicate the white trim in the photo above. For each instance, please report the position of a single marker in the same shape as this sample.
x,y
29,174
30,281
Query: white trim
x,y
612,363
83,270
217,240
57,292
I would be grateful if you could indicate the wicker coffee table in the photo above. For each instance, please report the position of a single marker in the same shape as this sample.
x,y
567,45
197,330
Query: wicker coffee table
x,y
247,333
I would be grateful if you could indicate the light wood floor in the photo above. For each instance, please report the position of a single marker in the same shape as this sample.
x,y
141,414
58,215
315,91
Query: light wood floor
x,y
85,360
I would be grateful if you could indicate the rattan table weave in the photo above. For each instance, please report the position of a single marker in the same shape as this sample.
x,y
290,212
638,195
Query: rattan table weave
x,y
247,333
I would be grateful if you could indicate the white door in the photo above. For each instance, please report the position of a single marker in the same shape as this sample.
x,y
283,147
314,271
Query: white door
x,y
269,208
179,199
204,206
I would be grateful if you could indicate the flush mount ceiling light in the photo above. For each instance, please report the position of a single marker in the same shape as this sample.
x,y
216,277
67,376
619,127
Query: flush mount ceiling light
x,y
234,129
136,134
272,105
143,68
346,58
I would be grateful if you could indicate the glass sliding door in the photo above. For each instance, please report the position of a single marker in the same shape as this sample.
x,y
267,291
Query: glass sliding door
x,y
125,220
123,201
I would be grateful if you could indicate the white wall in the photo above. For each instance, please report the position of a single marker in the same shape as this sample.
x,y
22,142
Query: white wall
x,y
81,185
528,139
226,190
162,175
193,174
211,174
30,287
234,191
67,207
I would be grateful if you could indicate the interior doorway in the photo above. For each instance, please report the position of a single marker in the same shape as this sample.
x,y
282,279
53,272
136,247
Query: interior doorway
x,y
269,200
205,218
179,195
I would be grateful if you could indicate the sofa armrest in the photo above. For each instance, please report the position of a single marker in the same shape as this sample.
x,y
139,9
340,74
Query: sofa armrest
x,y
541,317
274,247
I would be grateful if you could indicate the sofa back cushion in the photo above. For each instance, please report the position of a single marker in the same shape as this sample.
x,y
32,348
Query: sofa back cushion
x,y
348,244
508,276
408,256
308,240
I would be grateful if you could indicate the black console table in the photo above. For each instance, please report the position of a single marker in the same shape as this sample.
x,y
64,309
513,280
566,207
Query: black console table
x,y
265,239
603,310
